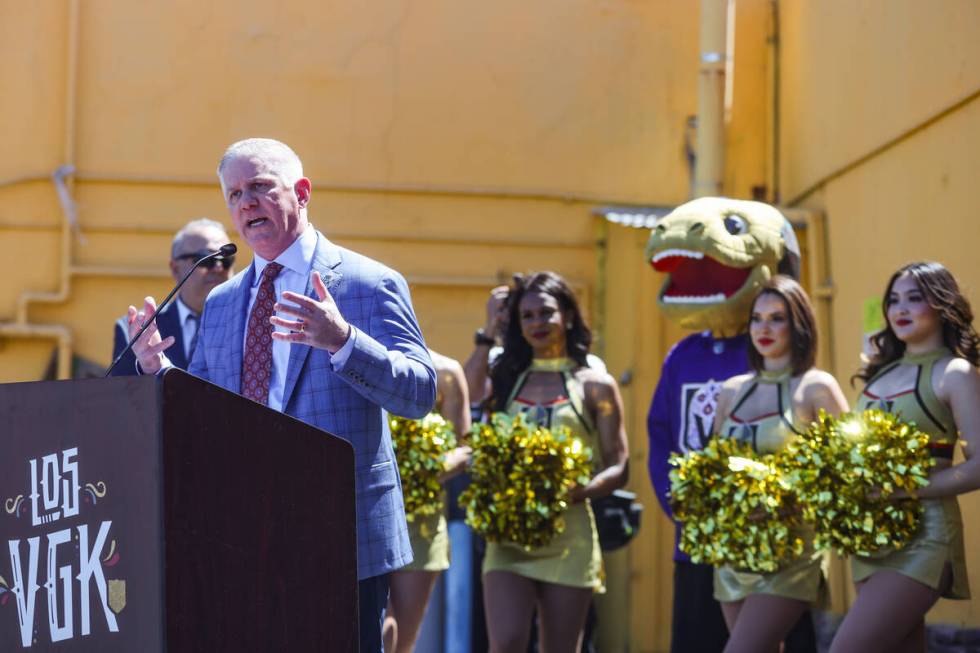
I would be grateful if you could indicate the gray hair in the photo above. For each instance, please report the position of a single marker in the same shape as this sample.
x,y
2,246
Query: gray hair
x,y
192,227
284,161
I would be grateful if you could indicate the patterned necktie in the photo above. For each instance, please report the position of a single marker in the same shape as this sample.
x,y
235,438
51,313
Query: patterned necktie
x,y
257,361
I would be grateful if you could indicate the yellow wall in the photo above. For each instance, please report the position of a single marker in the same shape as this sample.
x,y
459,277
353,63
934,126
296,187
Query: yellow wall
x,y
748,142
856,75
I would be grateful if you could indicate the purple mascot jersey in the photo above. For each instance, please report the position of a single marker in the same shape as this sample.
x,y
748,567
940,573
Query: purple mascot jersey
x,y
683,406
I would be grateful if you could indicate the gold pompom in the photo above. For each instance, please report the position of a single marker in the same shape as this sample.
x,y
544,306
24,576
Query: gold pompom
x,y
836,464
420,448
735,507
522,474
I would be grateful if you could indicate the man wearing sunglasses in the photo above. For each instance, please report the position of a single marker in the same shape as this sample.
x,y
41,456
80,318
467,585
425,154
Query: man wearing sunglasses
x,y
181,318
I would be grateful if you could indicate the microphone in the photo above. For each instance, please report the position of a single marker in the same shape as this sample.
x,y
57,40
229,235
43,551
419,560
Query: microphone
x,y
223,251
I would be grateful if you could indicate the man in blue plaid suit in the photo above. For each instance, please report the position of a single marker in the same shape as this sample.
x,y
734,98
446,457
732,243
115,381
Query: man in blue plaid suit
x,y
347,350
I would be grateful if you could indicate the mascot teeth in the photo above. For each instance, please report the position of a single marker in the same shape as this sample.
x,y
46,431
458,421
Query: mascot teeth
x,y
686,253
695,299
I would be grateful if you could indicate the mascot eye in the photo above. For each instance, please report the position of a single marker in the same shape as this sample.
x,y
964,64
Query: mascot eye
x,y
735,224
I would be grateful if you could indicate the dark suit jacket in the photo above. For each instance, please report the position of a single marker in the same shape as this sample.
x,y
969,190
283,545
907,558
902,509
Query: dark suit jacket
x,y
169,324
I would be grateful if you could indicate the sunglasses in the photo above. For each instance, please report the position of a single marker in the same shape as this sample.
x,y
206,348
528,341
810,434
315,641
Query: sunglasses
x,y
224,261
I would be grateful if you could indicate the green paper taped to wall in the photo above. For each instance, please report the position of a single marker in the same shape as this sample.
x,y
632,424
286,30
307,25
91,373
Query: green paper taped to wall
x,y
873,319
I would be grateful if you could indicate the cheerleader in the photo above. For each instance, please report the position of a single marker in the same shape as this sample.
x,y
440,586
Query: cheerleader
x,y
924,370
767,408
543,374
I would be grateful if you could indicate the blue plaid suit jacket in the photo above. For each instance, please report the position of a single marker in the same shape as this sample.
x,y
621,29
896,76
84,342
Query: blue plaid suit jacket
x,y
389,371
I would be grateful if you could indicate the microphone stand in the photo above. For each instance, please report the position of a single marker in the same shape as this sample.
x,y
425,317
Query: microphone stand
x,y
225,250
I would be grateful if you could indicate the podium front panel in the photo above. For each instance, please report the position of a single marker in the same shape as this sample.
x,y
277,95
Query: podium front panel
x,y
260,528
80,528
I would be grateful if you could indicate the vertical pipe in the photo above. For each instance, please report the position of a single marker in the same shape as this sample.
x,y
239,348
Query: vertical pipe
x,y
71,80
599,311
64,357
71,99
71,92
772,118
710,162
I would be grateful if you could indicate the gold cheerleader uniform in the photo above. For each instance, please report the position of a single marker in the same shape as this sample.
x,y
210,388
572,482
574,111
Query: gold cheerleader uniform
x,y
801,578
939,539
429,536
573,557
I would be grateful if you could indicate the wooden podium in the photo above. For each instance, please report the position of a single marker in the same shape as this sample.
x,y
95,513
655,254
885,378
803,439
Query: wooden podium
x,y
167,514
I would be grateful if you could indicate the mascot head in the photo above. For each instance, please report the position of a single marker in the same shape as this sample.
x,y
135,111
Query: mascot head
x,y
716,252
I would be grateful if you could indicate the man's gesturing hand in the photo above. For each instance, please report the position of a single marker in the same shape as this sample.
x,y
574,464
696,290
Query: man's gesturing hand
x,y
318,323
149,348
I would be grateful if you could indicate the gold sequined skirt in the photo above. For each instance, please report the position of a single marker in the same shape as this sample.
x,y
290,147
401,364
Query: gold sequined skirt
x,y
801,579
572,558
430,543
938,542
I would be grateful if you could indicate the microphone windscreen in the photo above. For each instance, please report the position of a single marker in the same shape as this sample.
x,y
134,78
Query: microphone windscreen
x,y
228,250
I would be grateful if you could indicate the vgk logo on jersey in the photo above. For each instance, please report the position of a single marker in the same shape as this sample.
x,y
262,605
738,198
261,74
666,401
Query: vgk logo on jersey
x,y
540,415
745,433
699,401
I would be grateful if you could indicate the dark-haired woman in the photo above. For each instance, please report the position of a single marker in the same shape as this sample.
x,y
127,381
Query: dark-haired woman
x,y
767,408
543,374
924,369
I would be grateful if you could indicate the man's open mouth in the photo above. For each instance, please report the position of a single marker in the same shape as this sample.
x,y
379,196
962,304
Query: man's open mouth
x,y
255,222
696,278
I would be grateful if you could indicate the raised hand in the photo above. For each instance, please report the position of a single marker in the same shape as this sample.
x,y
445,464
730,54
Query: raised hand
x,y
496,312
317,323
150,346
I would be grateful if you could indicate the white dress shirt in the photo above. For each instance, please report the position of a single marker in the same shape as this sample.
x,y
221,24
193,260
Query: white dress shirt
x,y
297,264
